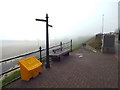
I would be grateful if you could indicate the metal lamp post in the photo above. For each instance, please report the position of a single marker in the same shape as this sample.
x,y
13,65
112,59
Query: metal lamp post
x,y
102,23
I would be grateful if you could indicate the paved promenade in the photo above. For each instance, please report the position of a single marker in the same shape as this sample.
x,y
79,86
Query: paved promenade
x,y
82,69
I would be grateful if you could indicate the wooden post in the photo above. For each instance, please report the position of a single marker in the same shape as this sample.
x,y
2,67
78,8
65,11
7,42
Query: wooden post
x,y
47,43
71,45
61,45
40,54
47,39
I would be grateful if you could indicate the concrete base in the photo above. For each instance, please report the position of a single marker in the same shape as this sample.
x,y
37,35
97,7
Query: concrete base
x,y
108,50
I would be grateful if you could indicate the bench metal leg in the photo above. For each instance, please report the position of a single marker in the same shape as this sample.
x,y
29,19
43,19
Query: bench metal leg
x,y
67,54
59,58
56,58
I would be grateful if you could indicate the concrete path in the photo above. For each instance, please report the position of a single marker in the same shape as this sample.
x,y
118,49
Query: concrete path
x,y
82,69
117,48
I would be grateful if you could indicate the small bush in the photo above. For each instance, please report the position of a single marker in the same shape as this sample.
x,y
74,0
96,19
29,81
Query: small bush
x,y
44,60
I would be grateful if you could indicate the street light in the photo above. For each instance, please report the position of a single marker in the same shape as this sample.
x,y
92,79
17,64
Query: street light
x,y
102,23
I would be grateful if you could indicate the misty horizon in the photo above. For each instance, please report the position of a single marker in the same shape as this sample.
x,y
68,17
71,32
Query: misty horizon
x,y
69,18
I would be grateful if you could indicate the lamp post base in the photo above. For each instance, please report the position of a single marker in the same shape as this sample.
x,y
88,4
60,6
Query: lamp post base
x,y
47,65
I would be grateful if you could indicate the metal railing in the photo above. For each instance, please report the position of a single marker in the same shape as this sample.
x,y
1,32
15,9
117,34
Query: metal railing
x,y
30,53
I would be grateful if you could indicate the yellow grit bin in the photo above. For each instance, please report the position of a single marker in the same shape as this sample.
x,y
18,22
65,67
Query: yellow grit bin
x,y
30,67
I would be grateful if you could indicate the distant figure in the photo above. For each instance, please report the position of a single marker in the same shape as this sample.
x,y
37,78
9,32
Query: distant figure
x,y
84,44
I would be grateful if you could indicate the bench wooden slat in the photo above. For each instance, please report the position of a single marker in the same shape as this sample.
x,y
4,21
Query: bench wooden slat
x,y
59,54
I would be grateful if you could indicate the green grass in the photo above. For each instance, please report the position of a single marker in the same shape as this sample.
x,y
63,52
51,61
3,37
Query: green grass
x,y
11,77
44,60
95,43
75,48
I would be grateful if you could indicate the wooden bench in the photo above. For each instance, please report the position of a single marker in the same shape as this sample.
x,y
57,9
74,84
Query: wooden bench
x,y
57,53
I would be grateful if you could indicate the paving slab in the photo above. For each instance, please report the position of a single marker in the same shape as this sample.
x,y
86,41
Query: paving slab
x,y
81,69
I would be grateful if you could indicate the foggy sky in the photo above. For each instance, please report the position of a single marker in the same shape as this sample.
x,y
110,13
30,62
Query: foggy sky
x,y
70,18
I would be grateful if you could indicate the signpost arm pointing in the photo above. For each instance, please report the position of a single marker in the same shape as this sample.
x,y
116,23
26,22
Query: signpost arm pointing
x,y
50,25
40,20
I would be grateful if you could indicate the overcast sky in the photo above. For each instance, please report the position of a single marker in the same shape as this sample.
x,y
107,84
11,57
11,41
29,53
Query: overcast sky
x,y
70,18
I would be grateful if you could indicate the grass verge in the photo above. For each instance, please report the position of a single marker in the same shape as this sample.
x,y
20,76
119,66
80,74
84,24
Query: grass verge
x,y
11,77
44,60
76,48
95,43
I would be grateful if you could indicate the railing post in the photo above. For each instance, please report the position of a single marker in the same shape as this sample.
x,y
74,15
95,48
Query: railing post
x,y
61,45
40,54
71,45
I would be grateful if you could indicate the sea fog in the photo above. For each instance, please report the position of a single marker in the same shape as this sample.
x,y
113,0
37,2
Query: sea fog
x,y
12,48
